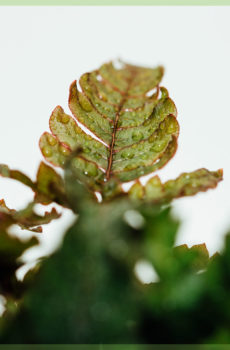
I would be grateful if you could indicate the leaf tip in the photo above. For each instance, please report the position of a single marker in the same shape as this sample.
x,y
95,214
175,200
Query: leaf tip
x,y
220,173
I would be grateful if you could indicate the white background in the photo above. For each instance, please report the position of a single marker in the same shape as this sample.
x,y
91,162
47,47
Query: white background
x,y
43,49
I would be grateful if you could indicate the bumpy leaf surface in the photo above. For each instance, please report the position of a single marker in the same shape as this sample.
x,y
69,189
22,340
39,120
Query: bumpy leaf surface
x,y
187,184
124,126
134,128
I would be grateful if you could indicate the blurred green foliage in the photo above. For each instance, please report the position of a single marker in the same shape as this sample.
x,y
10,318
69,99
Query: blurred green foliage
x,y
88,292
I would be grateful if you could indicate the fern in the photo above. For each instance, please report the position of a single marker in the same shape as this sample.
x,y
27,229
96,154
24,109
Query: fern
x,y
124,125
134,132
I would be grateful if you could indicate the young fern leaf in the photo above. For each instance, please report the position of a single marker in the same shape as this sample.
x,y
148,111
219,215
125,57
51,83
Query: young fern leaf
x,y
48,187
133,126
187,184
134,129
26,219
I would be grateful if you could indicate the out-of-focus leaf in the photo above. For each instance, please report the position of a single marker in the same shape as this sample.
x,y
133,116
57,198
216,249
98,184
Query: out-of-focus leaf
x,y
88,283
11,248
200,259
48,187
91,284
98,294
187,307
27,219
5,171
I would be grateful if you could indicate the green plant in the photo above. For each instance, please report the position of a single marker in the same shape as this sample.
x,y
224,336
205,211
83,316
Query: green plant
x,y
87,291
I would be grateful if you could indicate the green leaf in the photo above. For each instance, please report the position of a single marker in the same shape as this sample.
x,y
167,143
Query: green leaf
x,y
5,171
187,184
197,255
125,126
27,219
49,186
134,130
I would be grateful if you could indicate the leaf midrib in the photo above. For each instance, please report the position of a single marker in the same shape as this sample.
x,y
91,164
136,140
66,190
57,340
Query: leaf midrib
x,y
120,107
